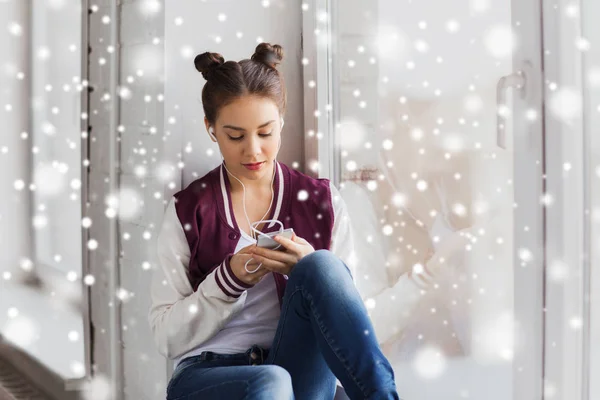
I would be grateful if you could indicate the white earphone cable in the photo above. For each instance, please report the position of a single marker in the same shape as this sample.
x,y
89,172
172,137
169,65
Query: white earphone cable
x,y
251,225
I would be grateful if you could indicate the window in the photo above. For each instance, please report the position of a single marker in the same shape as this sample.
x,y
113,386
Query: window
x,y
56,134
410,133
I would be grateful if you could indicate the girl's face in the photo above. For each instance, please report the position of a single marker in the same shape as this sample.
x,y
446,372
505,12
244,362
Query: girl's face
x,y
248,131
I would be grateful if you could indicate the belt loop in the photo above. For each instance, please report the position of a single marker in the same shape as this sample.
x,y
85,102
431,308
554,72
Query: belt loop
x,y
249,353
258,352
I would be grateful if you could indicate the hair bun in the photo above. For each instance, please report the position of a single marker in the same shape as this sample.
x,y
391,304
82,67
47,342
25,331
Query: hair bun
x,y
268,54
207,62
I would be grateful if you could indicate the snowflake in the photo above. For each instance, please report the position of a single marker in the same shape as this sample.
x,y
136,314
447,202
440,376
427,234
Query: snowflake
x,y
429,362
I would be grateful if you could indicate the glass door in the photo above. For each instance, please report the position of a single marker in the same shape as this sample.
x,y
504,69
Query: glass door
x,y
427,116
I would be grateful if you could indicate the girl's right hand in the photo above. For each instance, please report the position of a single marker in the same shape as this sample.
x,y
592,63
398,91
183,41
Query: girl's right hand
x,y
239,259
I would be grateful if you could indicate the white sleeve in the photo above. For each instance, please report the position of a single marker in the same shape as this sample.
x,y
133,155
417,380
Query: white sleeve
x,y
342,240
182,319
392,307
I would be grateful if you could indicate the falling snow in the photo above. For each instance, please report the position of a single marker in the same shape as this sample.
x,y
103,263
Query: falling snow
x,y
415,101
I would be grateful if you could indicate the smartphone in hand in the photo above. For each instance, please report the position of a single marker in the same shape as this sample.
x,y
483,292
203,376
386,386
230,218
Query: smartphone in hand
x,y
270,243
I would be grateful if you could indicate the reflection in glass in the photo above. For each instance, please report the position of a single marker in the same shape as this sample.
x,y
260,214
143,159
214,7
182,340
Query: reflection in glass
x,y
429,189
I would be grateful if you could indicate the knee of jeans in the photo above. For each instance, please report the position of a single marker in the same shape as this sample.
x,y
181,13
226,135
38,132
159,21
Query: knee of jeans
x,y
278,382
322,263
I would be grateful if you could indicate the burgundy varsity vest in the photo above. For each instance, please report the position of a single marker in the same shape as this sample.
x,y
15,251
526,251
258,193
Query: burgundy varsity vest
x,y
205,211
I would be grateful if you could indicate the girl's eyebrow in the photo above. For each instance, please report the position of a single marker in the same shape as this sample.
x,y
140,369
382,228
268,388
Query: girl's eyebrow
x,y
237,128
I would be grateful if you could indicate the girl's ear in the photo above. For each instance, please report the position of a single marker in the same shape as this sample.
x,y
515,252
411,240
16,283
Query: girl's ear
x,y
211,132
209,128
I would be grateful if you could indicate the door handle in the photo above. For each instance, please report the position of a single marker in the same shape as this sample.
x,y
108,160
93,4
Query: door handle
x,y
517,81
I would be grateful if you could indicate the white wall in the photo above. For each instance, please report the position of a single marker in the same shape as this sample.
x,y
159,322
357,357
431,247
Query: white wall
x,y
280,23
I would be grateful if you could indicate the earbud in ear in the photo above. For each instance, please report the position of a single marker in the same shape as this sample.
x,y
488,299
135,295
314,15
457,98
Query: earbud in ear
x,y
282,123
212,133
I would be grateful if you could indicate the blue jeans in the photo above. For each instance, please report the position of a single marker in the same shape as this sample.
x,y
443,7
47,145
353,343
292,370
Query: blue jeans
x,y
324,332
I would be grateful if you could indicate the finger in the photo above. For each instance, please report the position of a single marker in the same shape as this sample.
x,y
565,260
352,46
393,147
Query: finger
x,y
252,265
287,243
299,239
275,255
273,265
296,238
247,249
281,254
262,271
246,257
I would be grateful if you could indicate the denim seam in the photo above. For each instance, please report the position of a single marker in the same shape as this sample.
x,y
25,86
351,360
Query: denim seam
x,y
327,339
282,316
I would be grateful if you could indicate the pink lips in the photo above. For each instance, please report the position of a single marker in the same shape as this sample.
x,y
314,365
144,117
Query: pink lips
x,y
254,167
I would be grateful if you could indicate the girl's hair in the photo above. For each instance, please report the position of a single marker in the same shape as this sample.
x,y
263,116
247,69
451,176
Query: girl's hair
x,y
227,81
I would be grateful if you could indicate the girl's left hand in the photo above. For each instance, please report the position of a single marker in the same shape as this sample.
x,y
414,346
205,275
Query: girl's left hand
x,y
283,261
